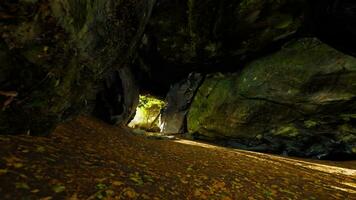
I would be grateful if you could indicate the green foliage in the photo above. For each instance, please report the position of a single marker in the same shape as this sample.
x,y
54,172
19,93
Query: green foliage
x,y
348,117
147,113
147,102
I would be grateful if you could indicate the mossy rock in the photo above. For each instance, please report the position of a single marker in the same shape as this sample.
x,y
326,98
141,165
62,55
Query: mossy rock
x,y
295,99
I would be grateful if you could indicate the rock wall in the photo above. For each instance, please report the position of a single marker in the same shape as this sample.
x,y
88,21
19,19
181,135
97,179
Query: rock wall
x,y
183,36
118,98
178,101
56,53
299,101
202,31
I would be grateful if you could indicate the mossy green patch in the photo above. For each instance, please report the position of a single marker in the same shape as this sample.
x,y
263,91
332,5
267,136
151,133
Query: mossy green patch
x,y
287,131
310,124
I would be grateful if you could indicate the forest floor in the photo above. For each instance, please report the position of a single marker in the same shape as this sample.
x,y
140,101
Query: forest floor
x,y
87,159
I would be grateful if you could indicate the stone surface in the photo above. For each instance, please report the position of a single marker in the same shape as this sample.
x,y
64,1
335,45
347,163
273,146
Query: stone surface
x,y
211,36
116,102
54,54
178,101
209,31
299,101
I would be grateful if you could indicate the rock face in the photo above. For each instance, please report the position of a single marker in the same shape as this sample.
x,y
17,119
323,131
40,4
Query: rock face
x,y
54,54
211,35
300,101
178,101
209,31
116,102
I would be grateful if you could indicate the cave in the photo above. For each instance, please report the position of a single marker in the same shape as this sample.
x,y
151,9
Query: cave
x,y
177,99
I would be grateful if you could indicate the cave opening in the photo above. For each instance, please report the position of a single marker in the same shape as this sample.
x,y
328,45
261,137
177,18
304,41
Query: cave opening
x,y
148,113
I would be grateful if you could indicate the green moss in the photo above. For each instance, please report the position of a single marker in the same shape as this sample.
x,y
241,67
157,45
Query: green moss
x,y
348,138
202,112
287,131
273,94
347,134
310,124
353,150
348,117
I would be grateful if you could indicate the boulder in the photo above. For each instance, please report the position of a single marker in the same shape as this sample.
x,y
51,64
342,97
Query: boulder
x,y
55,55
178,101
299,101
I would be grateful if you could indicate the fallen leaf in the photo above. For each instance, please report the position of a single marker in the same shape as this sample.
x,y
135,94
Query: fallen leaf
x,y
117,183
58,188
3,171
35,191
130,193
22,185
135,177
109,193
40,149
46,198
74,197
101,186
18,165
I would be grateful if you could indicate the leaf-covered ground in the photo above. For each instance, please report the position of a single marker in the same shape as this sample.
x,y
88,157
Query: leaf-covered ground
x,y
86,159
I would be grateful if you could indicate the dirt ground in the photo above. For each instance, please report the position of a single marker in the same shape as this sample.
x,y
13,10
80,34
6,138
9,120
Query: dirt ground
x,y
87,159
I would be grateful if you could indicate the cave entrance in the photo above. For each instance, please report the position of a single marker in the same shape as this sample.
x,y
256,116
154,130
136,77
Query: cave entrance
x,y
148,114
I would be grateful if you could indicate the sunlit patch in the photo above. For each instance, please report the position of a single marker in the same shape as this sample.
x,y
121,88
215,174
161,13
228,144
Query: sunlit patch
x,y
349,190
350,184
189,142
352,188
327,168
278,160
147,114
